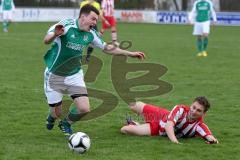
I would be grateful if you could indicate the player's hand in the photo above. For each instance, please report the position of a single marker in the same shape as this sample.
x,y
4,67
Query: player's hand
x,y
214,23
210,139
139,55
59,30
190,22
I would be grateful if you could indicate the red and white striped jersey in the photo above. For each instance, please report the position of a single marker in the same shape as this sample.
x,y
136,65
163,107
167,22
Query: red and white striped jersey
x,y
182,126
107,7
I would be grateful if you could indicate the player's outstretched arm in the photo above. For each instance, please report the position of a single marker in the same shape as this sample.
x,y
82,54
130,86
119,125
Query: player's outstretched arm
x,y
210,139
170,132
58,31
113,50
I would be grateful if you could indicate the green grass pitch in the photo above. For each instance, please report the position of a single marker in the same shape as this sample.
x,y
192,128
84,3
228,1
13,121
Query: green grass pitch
x,y
23,108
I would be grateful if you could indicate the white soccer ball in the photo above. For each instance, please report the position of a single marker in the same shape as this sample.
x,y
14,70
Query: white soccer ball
x,y
79,142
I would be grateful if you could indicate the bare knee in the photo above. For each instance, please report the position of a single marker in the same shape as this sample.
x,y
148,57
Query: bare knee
x,y
205,35
124,129
137,106
127,129
84,109
58,112
82,104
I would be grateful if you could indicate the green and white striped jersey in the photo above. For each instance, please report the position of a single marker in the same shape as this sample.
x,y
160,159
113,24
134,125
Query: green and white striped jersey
x,y
7,5
202,11
65,55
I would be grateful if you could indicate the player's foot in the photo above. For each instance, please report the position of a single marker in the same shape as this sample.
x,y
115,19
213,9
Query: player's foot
x,y
5,30
129,121
50,122
65,127
200,54
204,54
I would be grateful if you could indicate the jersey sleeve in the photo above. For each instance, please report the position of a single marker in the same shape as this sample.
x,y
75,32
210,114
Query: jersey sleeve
x,y
97,41
214,16
66,24
13,6
0,6
103,4
192,13
51,29
175,114
202,130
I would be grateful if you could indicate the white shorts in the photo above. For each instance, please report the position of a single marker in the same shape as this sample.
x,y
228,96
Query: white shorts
x,y
201,27
7,15
55,86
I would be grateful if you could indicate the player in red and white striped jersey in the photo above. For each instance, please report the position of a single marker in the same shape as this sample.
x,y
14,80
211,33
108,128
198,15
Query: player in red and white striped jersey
x,y
181,121
109,20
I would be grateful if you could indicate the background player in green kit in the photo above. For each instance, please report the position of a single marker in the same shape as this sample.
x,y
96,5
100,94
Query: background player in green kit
x,y
7,7
63,74
200,16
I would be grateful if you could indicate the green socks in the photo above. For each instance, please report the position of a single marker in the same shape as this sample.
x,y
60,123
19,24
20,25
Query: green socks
x,y
202,44
5,25
205,43
199,44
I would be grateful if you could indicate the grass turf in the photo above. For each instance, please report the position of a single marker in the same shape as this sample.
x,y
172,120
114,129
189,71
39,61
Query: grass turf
x,y
23,108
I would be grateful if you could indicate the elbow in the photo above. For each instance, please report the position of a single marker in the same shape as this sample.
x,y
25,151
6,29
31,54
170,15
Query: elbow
x,y
45,41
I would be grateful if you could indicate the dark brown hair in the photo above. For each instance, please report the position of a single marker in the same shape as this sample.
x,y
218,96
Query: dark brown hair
x,y
203,101
86,9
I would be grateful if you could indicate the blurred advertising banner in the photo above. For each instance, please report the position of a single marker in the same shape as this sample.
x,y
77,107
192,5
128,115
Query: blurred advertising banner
x,y
138,16
224,18
43,14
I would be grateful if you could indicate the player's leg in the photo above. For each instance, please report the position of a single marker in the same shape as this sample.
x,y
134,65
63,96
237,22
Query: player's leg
x,y
9,18
151,114
198,31
5,21
205,44
76,88
82,108
199,45
139,130
114,31
137,107
206,30
54,100
55,111
104,27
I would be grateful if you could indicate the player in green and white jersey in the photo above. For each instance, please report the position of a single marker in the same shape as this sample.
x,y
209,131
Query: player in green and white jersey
x,y
7,8
63,74
0,9
201,16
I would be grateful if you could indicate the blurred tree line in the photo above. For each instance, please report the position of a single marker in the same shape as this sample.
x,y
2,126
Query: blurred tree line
x,y
225,5
230,5
46,3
